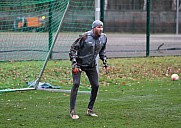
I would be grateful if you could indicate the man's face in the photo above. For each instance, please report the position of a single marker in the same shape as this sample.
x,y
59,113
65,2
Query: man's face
x,y
98,30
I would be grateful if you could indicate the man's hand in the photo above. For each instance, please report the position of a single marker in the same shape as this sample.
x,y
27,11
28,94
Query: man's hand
x,y
75,68
107,68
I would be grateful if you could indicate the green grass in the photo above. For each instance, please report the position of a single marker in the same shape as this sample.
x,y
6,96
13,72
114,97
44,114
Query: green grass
x,y
137,93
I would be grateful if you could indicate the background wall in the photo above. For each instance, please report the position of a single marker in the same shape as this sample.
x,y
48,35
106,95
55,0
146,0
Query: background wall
x,y
130,16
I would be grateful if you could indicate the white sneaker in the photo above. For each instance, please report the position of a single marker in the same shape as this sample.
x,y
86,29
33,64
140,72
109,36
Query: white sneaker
x,y
91,113
73,115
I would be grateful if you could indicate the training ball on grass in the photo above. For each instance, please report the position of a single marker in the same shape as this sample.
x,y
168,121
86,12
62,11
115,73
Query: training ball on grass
x,y
174,77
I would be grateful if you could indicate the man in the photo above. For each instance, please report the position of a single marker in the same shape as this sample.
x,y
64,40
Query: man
x,y
83,55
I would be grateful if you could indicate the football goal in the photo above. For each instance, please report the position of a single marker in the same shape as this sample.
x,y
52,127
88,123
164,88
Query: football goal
x,y
35,31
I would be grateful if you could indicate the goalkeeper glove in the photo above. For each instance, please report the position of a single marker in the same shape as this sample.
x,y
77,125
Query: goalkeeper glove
x,y
106,66
75,68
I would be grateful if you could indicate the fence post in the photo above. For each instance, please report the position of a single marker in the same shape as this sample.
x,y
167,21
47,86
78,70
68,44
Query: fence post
x,y
50,33
97,17
102,11
177,17
148,29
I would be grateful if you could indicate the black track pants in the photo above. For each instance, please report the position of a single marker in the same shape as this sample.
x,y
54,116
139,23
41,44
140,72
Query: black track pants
x,y
93,79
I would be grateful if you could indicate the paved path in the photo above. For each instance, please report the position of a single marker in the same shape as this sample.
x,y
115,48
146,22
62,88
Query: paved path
x,y
124,45
14,46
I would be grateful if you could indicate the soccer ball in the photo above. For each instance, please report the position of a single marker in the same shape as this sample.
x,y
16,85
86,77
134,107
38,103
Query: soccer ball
x,y
174,77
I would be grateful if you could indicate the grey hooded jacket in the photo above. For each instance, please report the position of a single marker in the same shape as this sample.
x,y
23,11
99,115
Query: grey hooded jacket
x,y
86,48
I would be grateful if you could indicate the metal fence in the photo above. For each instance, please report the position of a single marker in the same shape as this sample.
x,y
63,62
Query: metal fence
x,y
126,25
131,16
128,20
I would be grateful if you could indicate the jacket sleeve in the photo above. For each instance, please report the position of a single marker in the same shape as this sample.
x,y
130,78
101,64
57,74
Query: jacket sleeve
x,y
75,47
102,53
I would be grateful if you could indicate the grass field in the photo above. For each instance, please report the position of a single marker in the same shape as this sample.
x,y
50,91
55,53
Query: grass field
x,y
137,93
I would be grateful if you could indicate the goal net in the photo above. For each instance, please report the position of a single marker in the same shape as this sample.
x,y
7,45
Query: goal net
x,y
30,28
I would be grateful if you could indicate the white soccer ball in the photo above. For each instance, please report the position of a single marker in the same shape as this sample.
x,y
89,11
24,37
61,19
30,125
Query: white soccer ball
x,y
174,77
